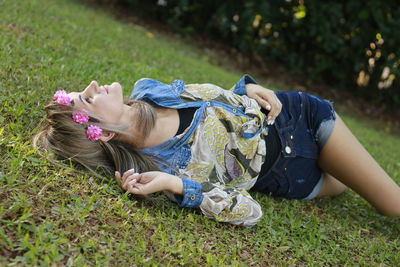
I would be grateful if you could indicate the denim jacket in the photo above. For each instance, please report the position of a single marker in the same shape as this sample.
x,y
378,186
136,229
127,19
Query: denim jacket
x,y
219,156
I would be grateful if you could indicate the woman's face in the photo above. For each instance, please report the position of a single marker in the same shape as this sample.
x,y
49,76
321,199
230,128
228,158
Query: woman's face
x,y
106,102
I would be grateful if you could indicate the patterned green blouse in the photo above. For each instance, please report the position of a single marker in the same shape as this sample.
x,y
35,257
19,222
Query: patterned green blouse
x,y
227,151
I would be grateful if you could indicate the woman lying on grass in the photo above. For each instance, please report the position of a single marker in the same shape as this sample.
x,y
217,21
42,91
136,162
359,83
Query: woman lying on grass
x,y
205,146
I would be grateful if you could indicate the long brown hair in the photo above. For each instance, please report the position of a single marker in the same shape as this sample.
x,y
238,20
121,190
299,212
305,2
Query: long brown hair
x,y
66,139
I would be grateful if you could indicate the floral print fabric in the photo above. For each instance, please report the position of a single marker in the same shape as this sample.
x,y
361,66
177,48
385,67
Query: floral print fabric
x,y
223,160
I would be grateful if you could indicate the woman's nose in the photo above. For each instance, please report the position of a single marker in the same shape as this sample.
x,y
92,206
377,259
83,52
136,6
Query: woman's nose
x,y
94,85
92,88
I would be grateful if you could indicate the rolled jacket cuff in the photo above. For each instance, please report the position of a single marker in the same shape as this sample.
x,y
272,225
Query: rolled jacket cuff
x,y
240,86
192,194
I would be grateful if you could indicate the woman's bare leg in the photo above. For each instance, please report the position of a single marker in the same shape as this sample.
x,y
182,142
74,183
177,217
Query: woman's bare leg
x,y
346,159
331,187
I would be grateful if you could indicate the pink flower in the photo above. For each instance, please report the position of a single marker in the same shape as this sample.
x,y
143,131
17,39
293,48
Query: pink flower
x,y
93,132
80,117
62,98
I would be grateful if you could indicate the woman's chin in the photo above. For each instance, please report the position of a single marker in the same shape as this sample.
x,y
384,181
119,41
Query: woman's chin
x,y
116,85
115,88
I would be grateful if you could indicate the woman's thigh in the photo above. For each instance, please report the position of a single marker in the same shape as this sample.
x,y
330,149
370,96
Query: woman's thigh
x,y
331,187
347,160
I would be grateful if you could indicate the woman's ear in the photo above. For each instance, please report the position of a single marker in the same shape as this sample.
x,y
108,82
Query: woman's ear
x,y
107,136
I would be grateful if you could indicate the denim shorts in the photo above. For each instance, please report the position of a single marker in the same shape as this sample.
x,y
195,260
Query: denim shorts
x,y
304,125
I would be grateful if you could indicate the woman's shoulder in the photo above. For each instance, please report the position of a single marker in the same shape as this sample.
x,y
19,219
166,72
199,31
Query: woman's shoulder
x,y
152,90
145,84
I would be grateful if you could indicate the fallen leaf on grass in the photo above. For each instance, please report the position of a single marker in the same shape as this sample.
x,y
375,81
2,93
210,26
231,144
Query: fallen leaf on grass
x,y
283,248
149,35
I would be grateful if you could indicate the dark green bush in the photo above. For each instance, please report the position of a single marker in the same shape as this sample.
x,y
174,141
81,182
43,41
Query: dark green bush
x,y
352,45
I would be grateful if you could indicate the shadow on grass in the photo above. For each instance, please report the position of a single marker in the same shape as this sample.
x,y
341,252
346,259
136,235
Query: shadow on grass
x,y
346,212
356,213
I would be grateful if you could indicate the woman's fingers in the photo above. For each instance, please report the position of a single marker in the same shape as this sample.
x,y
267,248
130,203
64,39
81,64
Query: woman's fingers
x,y
137,189
269,101
142,184
135,183
131,179
126,175
263,102
275,109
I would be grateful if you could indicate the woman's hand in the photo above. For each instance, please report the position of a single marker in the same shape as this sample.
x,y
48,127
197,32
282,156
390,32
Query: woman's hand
x,y
149,182
267,99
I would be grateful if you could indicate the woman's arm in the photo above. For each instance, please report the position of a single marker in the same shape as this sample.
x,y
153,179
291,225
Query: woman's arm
x,y
224,204
153,91
238,96
266,98
230,204
149,182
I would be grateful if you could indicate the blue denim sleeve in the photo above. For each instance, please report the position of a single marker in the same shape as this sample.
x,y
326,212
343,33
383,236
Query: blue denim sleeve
x,y
192,194
240,86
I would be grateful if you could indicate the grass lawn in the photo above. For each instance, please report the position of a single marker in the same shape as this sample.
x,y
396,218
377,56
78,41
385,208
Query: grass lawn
x,y
54,215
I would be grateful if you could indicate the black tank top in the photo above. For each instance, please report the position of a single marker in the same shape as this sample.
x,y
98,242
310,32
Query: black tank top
x,y
273,145
272,140
185,118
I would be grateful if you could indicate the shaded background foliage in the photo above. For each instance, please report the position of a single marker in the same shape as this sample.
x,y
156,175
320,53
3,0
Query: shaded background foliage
x,y
350,45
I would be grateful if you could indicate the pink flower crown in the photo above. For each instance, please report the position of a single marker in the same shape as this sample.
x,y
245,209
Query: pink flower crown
x,y
62,98
93,132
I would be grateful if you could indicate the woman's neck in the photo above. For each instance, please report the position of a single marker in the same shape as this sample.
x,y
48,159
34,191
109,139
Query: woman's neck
x,y
164,127
167,124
